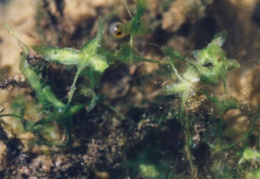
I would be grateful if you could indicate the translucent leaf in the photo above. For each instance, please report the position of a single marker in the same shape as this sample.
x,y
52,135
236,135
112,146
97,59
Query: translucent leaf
x,y
232,64
25,48
219,38
66,56
94,44
129,55
136,26
98,63
94,101
168,51
43,91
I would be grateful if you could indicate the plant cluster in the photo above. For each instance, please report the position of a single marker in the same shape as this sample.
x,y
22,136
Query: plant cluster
x,y
188,79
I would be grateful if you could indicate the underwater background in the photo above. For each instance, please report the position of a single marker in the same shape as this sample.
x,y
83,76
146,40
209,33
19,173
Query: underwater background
x,y
130,89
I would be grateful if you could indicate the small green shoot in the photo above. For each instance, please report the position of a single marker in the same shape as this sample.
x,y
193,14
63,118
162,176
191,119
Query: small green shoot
x,y
211,65
136,26
129,55
43,91
86,57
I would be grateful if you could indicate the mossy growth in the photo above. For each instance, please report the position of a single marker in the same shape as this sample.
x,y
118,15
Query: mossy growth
x,y
200,121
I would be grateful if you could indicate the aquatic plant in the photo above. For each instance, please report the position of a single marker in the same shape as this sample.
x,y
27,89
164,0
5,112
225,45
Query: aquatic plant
x,y
210,66
90,59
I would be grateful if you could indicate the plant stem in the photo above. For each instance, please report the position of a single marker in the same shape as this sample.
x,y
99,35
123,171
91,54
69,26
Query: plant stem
x,y
73,87
185,122
131,45
187,148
